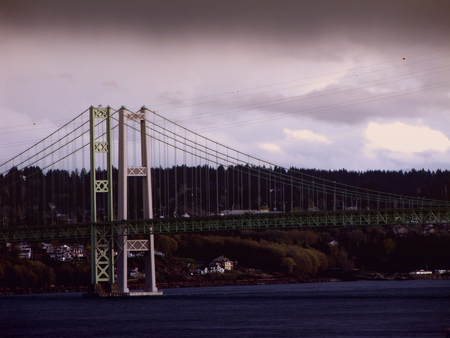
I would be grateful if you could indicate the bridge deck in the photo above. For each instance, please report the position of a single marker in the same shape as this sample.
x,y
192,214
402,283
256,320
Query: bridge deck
x,y
226,223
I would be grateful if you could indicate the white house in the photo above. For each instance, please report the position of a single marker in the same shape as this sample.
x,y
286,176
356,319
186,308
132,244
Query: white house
x,y
25,251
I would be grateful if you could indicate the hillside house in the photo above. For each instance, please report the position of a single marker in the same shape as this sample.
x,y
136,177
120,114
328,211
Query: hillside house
x,y
25,251
210,268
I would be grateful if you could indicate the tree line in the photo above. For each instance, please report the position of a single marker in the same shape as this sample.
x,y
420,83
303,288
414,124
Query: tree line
x,y
30,196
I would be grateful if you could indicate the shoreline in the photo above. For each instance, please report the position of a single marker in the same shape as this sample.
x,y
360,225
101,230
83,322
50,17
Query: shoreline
x,y
172,285
238,282
205,283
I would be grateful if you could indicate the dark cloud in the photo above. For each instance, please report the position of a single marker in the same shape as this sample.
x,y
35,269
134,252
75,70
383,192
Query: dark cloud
x,y
280,22
396,91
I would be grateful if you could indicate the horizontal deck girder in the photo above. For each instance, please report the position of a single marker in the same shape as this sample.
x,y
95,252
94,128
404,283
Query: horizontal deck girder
x,y
234,222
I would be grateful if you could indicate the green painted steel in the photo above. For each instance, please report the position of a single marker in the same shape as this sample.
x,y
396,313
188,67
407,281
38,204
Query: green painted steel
x,y
102,244
107,230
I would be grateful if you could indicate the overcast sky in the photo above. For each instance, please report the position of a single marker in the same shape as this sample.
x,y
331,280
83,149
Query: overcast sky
x,y
360,85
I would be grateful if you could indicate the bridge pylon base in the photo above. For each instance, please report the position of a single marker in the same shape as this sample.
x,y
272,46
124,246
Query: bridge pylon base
x,y
102,290
143,293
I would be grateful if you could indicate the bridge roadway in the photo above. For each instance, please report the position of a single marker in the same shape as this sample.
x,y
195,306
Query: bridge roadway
x,y
266,220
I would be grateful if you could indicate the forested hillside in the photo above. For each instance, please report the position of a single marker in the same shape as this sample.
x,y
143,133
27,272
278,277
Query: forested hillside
x,y
31,197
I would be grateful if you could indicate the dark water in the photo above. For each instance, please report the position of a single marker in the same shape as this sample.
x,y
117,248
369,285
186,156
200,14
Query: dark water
x,y
339,309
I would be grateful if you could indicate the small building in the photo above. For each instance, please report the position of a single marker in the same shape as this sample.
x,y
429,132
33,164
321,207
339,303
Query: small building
x,y
134,273
228,265
215,267
334,243
421,272
78,250
25,252
203,270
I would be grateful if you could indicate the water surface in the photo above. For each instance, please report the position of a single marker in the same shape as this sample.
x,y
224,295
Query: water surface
x,y
338,309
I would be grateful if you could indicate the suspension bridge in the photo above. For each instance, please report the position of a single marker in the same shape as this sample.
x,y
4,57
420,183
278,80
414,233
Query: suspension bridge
x,y
115,178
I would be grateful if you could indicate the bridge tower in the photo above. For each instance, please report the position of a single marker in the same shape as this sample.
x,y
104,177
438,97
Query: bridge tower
x,y
125,245
102,241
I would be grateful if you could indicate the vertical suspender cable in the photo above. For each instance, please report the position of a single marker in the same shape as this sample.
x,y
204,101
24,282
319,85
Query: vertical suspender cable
x,y
217,181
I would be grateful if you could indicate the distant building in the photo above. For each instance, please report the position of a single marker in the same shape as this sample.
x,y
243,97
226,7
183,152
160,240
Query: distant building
x,y
63,252
421,272
134,273
203,270
25,251
215,267
243,212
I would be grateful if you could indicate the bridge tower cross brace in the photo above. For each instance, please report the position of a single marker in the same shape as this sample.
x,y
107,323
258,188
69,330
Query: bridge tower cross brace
x,y
144,170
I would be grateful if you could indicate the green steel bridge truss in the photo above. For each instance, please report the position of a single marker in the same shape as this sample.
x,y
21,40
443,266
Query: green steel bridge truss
x,y
107,231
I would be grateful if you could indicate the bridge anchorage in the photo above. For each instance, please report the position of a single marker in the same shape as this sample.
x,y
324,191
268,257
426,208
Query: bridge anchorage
x,y
103,242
